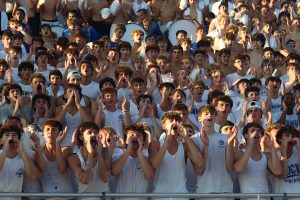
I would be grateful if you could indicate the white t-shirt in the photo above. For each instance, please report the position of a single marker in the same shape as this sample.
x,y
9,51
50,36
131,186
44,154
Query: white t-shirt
x,y
231,78
291,184
91,90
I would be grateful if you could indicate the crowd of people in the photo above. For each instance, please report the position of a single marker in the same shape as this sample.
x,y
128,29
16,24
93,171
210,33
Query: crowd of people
x,y
104,96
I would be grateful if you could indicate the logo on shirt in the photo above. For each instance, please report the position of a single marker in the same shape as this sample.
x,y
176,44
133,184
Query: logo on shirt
x,y
221,143
20,172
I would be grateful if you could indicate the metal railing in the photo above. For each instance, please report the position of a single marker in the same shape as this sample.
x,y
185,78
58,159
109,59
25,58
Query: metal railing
x,y
155,195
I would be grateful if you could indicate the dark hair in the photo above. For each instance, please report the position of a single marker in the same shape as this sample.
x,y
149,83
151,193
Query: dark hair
x,y
223,98
171,115
137,80
180,107
286,130
166,85
255,80
207,108
178,90
250,125
199,51
10,128
135,128
251,89
53,123
273,78
225,51
203,43
143,96
214,94
40,96
181,31
9,87
296,87
81,34
109,91
123,45
55,72
106,80
81,128
41,53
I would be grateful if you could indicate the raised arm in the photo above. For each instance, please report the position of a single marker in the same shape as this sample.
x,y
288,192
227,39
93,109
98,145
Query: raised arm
x,y
157,152
30,168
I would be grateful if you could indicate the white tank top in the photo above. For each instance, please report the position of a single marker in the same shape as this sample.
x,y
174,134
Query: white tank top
x,y
170,177
53,181
253,178
11,176
210,181
72,122
95,184
131,178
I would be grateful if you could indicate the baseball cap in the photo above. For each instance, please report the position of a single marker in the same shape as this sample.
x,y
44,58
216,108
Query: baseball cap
x,y
253,104
73,73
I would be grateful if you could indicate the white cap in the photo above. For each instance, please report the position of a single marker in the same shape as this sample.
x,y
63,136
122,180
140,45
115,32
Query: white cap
x,y
73,73
253,104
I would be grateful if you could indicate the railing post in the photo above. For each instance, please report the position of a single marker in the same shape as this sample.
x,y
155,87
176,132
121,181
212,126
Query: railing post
x,y
103,196
258,197
285,197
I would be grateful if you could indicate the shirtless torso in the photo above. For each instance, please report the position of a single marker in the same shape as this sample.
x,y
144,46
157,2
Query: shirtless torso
x,y
94,8
165,10
48,9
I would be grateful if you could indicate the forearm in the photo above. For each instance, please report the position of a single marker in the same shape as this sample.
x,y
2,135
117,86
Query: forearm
x,y
230,157
2,159
146,167
126,118
282,118
39,160
159,156
84,115
27,37
104,160
157,129
60,159
118,164
274,164
98,117
29,167
60,116
242,162
195,155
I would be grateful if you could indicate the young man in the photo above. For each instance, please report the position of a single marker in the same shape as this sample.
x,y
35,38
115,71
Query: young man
x,y
14,163
89,87
111,115
91,164
218,153
40,105
55,89
15,105
56,177
133,161
289,140
25,70
242,71
171,154
146,115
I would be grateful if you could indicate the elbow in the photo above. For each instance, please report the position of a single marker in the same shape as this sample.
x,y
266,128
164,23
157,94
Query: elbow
x,y
36,175
278,172
238,169
150,175
62,170
200,171
84,180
